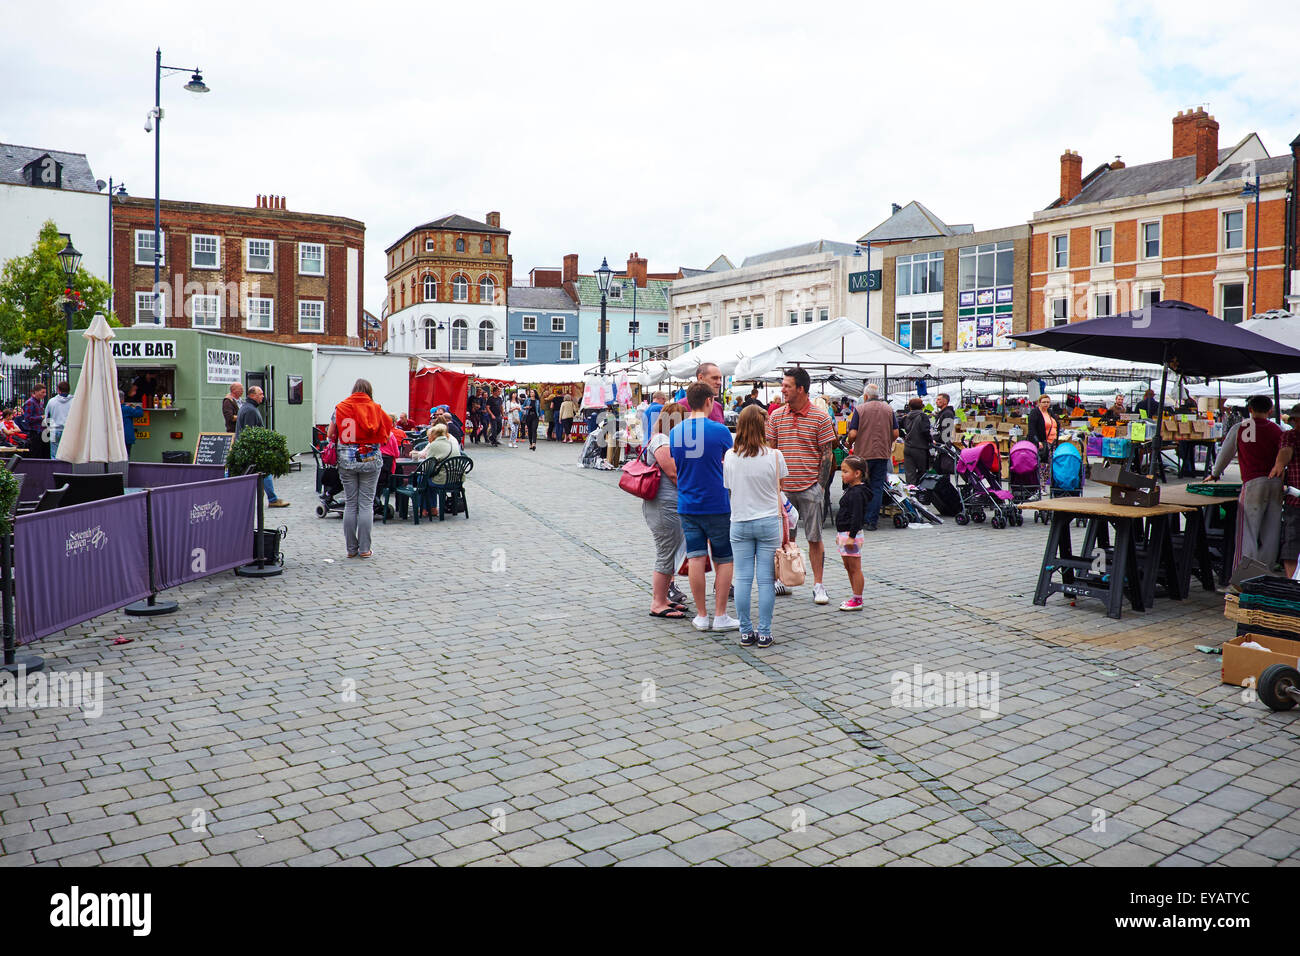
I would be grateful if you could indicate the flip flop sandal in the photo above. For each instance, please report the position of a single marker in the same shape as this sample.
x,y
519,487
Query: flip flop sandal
x,y
670,613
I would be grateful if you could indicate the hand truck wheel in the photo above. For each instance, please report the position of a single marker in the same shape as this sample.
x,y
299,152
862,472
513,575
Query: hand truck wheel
x,y
1279,687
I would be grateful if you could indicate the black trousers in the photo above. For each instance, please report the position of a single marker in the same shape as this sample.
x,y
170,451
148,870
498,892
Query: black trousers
x,y
530,425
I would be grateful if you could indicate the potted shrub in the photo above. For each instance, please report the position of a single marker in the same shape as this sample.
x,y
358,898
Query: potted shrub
x,y
266,452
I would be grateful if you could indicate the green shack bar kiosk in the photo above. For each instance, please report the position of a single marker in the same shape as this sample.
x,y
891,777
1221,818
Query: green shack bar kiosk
x,y
180,377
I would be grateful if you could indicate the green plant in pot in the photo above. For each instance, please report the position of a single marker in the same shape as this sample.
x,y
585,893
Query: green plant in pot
x,y
264,450
8,500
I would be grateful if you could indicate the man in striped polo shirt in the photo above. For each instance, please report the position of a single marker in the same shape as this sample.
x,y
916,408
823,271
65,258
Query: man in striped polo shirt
x,y
805,435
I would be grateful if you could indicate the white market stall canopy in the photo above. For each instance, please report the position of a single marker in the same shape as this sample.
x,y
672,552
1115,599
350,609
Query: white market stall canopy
x,y
1288,386
840,345
1026,365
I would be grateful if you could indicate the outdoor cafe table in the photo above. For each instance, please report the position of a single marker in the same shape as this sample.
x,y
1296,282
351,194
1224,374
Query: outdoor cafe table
x,y
1126,570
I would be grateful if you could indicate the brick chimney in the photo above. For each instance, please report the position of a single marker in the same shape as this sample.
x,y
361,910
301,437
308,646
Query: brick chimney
x,y
571,267
1207,145
1071,175
1185,132
494,220
636,269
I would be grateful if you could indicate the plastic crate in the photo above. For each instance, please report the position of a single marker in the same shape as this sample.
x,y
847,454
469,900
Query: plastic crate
x,y
1116,448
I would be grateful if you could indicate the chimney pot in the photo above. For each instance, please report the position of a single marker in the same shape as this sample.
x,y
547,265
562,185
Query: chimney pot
x,y
494,220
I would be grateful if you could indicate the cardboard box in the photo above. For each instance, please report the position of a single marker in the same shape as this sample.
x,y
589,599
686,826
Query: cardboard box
x,y
1241,664
1135,497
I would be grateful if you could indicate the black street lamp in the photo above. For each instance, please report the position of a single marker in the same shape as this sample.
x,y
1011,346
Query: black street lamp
x,y
1248,190
154,124
70,259
602,279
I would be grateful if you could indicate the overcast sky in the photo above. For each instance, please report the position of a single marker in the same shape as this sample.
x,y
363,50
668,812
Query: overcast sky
x,y
678,130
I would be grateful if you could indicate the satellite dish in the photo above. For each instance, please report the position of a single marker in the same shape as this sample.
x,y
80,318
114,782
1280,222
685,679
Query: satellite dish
x,y
100,184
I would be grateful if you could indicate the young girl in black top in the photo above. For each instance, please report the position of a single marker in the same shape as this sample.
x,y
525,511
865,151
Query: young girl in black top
x,y
848,525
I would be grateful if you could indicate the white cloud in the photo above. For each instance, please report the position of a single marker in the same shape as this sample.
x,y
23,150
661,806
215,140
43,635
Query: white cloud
x,y
677,130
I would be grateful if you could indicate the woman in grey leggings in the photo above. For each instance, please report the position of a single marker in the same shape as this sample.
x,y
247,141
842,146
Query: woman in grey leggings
x,y
661,514
360,427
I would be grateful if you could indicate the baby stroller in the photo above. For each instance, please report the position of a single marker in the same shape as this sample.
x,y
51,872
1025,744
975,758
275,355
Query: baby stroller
x,y
899,502
981,488
1066,474
1028,474
329,487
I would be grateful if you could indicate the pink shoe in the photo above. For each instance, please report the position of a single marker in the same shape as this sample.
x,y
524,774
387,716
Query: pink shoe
x,y
852,604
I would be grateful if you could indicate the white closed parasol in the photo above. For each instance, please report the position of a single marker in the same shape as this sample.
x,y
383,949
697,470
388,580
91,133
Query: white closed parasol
x,y
94,431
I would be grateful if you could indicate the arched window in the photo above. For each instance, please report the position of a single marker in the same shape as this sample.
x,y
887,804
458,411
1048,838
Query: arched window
x,y
460,335
486,290
430,289
392,300
486,334
460,245
430,335
460,289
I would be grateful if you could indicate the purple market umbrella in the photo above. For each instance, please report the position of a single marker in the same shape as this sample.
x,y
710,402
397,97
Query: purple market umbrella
x,y
1176,335
1183,337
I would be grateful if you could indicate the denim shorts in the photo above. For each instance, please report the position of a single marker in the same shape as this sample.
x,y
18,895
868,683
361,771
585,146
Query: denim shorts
x,y
705,533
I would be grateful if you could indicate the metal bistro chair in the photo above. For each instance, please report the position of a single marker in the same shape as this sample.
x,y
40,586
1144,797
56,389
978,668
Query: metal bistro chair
x,y
48,501
451,489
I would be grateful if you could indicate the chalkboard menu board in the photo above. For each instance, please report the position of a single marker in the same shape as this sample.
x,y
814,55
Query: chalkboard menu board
x,y
213,447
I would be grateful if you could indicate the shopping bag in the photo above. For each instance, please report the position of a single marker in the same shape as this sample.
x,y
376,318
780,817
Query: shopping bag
x,y
329,455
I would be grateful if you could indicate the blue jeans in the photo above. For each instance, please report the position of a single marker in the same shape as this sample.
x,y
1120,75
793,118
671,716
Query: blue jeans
x,y
268,488
876,468
753,545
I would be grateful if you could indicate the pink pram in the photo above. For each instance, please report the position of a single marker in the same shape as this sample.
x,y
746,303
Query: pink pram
x,y
981,487
1028,475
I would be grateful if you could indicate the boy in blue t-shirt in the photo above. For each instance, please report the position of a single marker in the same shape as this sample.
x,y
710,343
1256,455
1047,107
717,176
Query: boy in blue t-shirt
x,y
697,446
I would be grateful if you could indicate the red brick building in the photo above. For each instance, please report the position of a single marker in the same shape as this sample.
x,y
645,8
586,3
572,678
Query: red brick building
x,y
262,272
1178,228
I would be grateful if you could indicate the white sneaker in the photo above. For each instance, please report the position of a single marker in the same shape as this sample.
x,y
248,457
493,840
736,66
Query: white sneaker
x,y
701,623
725,623
819,594
782,590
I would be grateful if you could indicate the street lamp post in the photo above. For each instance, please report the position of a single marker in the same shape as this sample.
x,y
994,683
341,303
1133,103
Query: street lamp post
x,y
1248,190
70,259
120,190
154,124
602,279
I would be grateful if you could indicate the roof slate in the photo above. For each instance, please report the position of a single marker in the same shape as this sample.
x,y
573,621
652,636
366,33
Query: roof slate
x,y
464,223
1161,175
803,249
542,299
653,297
913,221
76,168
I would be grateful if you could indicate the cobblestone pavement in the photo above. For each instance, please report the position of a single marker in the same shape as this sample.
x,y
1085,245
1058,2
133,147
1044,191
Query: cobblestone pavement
x,y
491,692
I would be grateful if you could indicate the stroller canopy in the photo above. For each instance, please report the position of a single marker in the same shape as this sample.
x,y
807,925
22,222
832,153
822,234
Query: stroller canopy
x,y
983,457
1024,457
1067,467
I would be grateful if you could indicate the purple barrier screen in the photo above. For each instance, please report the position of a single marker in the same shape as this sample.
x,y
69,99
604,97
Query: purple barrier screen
x,y
38,472
202,528
149,475
75,563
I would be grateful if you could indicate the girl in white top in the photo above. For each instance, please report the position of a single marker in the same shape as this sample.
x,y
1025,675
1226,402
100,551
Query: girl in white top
x,y
512,416
753,472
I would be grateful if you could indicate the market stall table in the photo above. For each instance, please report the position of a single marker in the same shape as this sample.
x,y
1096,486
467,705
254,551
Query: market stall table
x,y
1193,542
1124,571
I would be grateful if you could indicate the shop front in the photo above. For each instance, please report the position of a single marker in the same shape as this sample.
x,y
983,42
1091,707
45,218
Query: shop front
x,y
180,376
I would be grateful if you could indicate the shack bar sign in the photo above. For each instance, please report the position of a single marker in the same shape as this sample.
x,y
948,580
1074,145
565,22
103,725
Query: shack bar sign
x,y
864,281
224,368
158,349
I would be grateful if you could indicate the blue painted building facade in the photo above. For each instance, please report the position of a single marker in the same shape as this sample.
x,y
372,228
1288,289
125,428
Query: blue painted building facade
x,y
542,327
